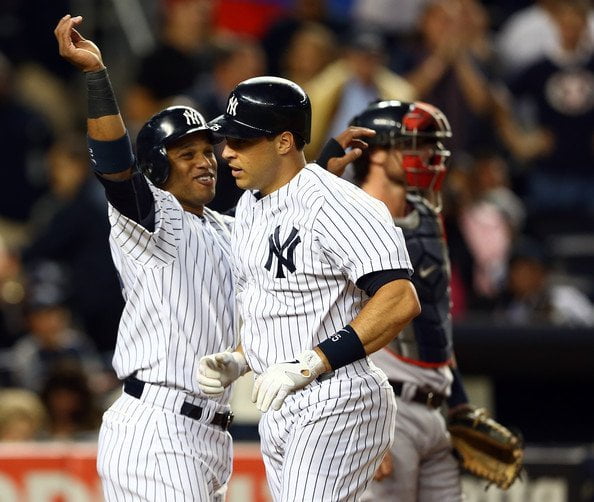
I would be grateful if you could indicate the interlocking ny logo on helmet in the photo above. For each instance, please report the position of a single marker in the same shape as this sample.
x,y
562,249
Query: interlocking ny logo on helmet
x,y
163,128
232,105
265,106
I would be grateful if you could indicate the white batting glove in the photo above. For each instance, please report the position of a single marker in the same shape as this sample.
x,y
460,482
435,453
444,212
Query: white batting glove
x,y
217,371
279,380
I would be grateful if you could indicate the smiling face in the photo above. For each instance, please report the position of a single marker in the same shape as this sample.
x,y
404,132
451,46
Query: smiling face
x,y
193,171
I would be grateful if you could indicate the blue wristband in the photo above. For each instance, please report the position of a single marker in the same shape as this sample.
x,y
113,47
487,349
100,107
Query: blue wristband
x,y
342,348
111,157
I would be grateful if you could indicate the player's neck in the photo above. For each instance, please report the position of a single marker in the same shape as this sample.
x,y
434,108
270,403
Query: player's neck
x,y
393,195
286,171
195,210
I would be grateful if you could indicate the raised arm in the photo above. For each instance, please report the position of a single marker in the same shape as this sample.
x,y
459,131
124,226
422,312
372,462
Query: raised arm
x,y
109,145
112,160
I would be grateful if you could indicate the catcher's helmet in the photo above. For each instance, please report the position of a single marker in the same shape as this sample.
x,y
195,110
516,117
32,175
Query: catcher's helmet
x,y
417,130
161,129
265,106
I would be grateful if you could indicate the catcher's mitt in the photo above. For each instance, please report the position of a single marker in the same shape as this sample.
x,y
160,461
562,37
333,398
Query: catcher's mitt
x,y
486,448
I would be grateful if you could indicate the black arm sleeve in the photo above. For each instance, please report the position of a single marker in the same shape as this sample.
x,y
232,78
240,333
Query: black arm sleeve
x,y
371,282
331,149
132,198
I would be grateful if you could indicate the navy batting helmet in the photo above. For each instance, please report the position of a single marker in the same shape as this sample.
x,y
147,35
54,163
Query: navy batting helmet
x,y
161,129
265,106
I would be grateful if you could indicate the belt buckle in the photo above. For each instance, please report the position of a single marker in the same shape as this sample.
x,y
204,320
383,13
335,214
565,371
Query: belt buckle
x,y
429,401
228,421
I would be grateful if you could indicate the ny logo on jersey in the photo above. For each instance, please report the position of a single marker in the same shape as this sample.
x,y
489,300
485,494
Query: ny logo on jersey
x,y
277,249
192,117
232,105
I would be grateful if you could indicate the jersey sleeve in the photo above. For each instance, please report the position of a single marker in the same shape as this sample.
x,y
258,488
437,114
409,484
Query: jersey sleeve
x,y
356,234
155,248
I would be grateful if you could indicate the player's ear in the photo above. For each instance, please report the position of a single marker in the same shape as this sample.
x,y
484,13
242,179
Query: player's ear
x,y
285,142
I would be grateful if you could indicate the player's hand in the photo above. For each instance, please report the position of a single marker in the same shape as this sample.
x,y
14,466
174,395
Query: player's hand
x,y
217,371
352,138
73,47
385,468
279,380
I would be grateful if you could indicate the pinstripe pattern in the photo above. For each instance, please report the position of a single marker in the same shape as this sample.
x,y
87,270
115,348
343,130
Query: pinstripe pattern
x,y
178,288
179,294
180,457
327,439
344,233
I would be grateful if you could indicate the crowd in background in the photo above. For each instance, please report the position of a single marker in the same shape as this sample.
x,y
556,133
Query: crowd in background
x,y
515,79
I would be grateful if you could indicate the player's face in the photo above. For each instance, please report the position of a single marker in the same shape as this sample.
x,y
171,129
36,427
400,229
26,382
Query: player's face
x,y
253,163
390,159
193,172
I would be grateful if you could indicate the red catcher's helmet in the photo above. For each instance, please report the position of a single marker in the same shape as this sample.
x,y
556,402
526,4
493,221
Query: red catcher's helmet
x,y
424,155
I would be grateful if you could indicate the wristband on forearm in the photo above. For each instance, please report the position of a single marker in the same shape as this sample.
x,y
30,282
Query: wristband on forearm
x,y
331,149
111,157
342,348
100,97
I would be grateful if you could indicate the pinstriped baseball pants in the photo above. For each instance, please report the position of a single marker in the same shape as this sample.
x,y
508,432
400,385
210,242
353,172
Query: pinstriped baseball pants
x,y
326,441
150,453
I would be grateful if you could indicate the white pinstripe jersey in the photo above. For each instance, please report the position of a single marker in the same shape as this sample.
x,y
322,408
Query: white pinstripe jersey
x,y
178,288
298,253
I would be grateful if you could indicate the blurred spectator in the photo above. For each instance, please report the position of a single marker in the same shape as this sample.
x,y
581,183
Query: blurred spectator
x,y
181,56
22,415
349,84
71,228
51,338
559,88
449,66
531,297
12,294
279,35
24,140
529,34
72,411
312,48
483,218
235,59
380,14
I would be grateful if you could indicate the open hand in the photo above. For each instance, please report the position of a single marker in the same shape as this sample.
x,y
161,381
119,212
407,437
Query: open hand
x,y
353,138
74,48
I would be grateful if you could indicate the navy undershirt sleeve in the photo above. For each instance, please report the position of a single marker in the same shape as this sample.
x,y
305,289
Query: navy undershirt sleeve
x,y
370,283
133,198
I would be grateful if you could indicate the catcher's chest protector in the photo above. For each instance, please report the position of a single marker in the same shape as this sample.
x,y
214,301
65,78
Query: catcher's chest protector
x,y
428,338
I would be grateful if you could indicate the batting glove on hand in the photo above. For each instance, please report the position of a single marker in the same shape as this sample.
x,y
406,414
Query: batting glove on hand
x,y
217,371
279,380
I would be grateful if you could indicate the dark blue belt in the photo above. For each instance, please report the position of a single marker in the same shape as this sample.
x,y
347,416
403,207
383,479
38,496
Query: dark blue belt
x,y
134,387
421,396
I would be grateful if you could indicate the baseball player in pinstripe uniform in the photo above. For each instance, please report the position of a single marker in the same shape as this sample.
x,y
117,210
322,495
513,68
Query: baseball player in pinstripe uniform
x,y
162,438
317,291
404,167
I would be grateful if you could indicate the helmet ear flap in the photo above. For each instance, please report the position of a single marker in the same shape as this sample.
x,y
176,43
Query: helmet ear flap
x,y
156,165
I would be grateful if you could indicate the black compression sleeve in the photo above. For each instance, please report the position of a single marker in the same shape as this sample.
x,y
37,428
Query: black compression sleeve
x,y
133,198
371,282
331,149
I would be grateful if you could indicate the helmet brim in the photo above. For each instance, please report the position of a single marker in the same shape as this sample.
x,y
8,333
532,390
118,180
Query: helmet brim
x,y
228,127
212,135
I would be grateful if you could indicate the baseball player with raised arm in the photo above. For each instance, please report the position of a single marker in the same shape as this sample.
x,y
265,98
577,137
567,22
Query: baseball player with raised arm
x,y
162,439
404,167
322,280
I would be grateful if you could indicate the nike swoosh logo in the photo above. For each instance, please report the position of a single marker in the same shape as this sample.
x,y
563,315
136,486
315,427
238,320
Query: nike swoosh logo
x,y
425,272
